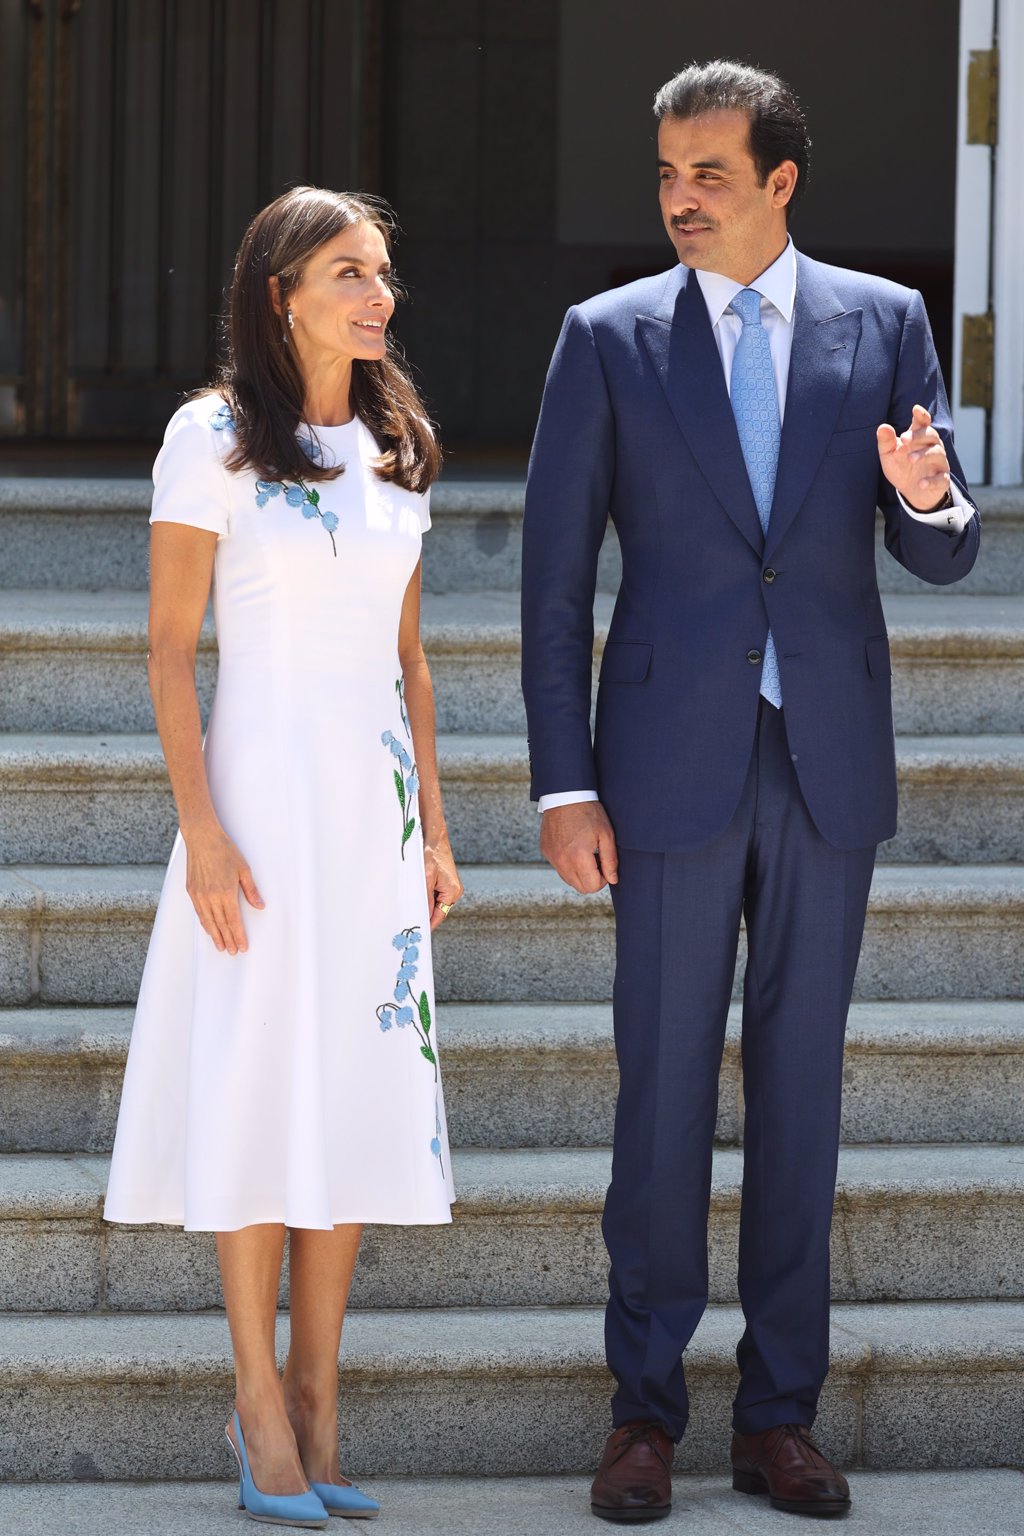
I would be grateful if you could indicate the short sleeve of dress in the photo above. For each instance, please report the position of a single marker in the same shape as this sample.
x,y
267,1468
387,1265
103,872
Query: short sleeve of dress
x,y
423,507
190,484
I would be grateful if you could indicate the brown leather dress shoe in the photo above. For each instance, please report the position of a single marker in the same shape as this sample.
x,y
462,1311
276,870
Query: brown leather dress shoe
x,y
785,1464
634,1480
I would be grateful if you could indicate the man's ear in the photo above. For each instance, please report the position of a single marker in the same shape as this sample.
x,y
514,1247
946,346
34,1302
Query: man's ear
x,y
783,181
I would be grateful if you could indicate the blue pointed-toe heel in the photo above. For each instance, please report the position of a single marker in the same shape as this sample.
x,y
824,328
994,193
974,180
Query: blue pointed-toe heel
x,y
346,1501
305,1509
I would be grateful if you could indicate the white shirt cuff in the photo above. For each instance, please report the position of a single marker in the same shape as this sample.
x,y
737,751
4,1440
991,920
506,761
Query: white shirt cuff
x,y
952,519
565,797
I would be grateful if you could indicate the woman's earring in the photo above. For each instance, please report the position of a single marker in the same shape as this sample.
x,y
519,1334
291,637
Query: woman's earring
x,y
291,319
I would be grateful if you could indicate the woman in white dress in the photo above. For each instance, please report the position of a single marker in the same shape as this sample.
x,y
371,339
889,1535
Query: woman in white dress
x,y
283,1073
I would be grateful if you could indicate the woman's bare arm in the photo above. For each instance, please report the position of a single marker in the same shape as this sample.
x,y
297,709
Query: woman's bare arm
x,y
181,567
443,883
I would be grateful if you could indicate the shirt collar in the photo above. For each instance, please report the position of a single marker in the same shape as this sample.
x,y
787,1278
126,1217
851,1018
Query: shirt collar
x,y
777,284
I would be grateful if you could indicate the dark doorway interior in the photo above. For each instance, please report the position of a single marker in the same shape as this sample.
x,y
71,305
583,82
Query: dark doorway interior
x,y
519,149
515,140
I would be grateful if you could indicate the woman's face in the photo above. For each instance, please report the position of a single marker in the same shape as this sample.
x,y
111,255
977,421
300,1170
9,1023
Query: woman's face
x,y
342,304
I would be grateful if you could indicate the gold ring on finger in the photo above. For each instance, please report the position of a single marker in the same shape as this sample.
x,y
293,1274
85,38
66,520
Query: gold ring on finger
x,y
445,907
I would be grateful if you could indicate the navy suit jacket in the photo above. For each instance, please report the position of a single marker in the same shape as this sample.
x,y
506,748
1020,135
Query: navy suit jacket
x,y
636,424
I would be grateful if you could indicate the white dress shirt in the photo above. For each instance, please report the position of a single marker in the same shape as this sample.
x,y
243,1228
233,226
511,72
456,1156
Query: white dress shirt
x,y
777,287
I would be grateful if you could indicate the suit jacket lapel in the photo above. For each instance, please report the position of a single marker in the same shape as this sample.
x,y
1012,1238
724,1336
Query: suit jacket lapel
x,y
824,345
681,345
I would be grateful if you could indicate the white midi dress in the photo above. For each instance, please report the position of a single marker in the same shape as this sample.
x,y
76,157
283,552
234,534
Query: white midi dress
x,y
298,1082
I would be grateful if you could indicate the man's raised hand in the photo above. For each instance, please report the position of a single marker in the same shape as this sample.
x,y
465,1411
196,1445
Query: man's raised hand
x,y
578,841
915,462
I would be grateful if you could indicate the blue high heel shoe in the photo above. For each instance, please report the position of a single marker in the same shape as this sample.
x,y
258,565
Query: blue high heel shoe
x,y
348,1501
304,1509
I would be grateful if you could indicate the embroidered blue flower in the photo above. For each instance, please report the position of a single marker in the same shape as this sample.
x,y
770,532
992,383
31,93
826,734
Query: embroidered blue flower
x,y
397,750
311,449
417,1016
407,781
265,489
222,420
302,497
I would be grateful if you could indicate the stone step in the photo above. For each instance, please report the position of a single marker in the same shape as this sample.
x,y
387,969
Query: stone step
x,y
506,1392
79,934
986,1503
544,1075
75,661
90,534
100,799
910,1224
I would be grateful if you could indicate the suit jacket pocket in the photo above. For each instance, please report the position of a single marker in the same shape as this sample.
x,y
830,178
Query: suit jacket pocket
x,y
854,441
626,661
876,648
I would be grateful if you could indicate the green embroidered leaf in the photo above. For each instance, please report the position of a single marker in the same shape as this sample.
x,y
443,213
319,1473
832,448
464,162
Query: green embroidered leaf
x,y
410,827
424,1008
428,1053
400,786
314,497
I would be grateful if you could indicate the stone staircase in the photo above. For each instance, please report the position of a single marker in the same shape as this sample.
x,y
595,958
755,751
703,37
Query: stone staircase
x,y
478,1351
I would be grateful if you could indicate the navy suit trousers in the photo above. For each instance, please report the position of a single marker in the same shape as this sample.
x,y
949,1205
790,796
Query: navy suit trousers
x,y
677,923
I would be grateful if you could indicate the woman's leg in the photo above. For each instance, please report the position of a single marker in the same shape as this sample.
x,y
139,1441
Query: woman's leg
x,y
250,1268
321,1265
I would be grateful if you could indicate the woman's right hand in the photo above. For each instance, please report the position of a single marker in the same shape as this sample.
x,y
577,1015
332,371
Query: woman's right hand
x,y
216,870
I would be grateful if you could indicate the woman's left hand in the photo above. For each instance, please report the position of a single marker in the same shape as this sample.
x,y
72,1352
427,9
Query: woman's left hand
x,y
443,884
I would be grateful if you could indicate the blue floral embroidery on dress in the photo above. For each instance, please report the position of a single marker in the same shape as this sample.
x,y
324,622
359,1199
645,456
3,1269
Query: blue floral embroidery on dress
x,y
222,419
407,781
300,496
400,1015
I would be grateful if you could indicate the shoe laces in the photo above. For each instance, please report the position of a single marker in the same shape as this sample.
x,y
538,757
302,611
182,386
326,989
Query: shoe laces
x,y
801,1433
635,1433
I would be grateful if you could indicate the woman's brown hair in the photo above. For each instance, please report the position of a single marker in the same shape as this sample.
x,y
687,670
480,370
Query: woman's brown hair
x,y
260,378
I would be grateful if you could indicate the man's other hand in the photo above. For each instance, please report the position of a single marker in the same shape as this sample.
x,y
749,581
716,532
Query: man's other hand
x,y
578,841
915,462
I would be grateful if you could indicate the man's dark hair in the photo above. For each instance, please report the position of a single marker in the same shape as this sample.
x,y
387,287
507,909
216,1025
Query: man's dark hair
x,y
778,129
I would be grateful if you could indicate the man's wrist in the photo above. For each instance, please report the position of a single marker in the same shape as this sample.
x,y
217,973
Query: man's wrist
x,y
940,506
565,797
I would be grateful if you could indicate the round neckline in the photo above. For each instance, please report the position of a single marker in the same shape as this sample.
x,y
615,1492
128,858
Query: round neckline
x,y
339,426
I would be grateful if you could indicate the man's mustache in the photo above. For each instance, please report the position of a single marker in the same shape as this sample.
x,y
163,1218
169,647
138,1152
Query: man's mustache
x,y
691,224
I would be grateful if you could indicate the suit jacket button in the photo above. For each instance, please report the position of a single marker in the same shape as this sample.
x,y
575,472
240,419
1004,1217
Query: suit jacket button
x,y
753,657
769,576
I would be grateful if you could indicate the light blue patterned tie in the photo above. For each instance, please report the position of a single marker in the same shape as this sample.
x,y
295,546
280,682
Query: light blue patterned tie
x,y
755,405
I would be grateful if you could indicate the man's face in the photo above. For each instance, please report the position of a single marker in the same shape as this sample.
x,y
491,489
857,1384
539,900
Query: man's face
x,y
716,215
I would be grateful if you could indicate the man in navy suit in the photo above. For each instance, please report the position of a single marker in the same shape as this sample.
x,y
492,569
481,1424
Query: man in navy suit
x,y
731,417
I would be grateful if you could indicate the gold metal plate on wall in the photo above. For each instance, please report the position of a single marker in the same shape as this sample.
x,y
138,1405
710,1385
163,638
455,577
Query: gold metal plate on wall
x,y
976,372
983,96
